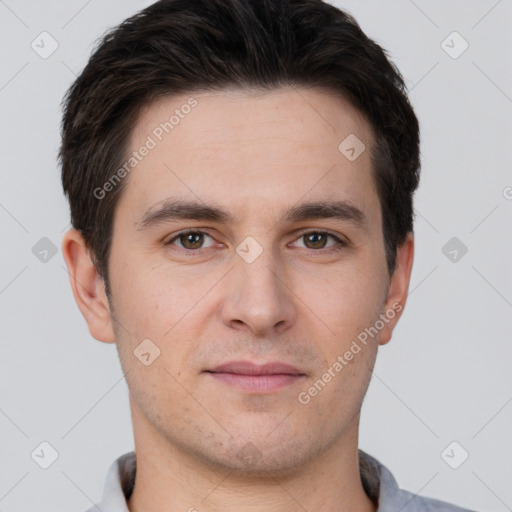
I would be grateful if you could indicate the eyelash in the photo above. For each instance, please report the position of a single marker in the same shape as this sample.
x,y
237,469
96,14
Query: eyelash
x,y
340,244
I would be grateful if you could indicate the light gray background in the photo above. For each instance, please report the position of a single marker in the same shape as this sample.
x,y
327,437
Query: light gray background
x,y
444,377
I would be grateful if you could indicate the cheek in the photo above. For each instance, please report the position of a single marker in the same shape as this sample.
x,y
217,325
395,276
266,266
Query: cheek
x,y
352,382
147,302
155,314
336,394
346,299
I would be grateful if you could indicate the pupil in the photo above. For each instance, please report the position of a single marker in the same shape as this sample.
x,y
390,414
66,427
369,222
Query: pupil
x,y
190,239
316,236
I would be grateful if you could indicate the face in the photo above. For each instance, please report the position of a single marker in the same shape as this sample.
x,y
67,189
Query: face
x,y
259,277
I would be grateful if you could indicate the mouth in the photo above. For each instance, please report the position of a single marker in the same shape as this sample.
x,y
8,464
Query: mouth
x,y
256,378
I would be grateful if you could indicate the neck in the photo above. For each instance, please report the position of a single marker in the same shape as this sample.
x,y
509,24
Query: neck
x,y
170,479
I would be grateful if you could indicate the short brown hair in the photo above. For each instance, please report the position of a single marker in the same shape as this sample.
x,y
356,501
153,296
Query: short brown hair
x,y
179,46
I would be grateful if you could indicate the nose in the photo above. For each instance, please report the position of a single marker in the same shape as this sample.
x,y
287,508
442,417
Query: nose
x,y
258,296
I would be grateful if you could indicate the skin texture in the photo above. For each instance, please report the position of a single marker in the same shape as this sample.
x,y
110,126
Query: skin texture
x,y
255,155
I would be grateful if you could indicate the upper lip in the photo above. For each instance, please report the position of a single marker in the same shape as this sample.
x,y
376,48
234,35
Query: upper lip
x,y
250,368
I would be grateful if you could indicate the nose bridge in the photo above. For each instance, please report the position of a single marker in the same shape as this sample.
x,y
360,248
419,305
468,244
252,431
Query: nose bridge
x,y
257,295
262,269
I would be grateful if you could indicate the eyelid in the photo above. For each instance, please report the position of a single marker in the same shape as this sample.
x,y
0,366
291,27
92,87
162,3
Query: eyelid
x,y
177,235
340,240
337,236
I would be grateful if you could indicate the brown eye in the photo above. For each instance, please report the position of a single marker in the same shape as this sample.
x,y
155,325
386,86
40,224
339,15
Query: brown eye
x,y
315,240
319,241
190,240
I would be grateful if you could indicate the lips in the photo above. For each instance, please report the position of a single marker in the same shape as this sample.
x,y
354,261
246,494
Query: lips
x,y
249,368
254,378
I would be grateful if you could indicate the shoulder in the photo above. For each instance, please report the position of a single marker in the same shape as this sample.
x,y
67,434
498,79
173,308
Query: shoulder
x,y
118,485
415,503
380,485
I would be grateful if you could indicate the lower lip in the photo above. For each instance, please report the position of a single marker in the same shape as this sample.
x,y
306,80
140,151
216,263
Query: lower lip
x,y
257,383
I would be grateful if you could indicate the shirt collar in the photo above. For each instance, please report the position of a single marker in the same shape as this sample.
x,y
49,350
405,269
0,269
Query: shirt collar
x,y
378,483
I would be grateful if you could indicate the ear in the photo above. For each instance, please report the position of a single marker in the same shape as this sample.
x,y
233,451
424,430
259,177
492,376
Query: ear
x,y
398,288
88,287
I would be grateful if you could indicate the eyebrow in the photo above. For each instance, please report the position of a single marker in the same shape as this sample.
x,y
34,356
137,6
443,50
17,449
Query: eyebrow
x,y
172,209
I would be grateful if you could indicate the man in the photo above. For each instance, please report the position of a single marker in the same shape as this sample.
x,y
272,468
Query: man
x,y
240,176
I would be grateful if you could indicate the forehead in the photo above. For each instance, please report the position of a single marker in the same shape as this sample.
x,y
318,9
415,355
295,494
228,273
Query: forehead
x,y
246,148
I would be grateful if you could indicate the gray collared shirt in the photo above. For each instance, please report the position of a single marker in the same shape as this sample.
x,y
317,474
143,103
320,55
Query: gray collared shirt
x,y
378,482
